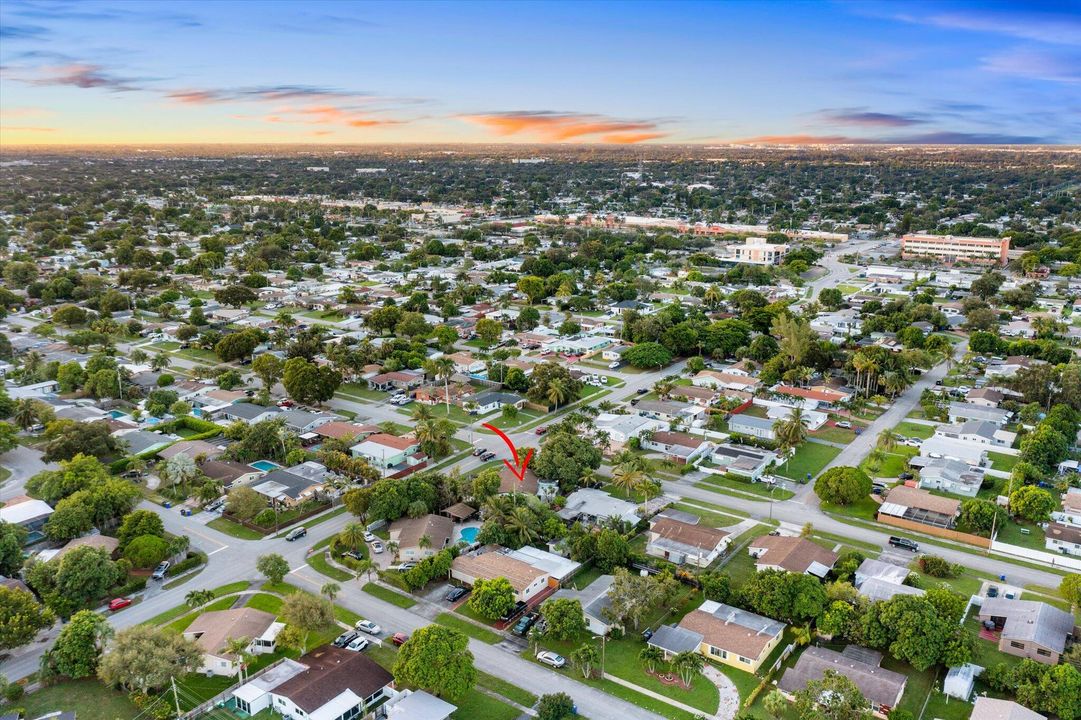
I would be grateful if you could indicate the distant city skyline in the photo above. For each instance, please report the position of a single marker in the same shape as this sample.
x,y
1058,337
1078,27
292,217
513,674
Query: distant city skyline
x,y
533,72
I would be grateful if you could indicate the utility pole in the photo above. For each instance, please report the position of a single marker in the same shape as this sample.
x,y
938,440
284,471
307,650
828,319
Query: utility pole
x,y
176,698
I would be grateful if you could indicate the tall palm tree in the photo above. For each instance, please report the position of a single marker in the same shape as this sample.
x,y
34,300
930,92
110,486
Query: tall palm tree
x,y
26,412
352,535
557,392
365,567
887,440
331,590
688,664
285,319
441,368
421,413
713,297
651,656
628,478
159,362
424,542
523,525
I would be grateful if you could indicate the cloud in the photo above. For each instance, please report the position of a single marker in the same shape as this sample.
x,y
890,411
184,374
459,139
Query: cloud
x,y
327,115
551,126
1049,27
22,32
74,12
24,112
267,93
1036,64
930,138
76,74
863,118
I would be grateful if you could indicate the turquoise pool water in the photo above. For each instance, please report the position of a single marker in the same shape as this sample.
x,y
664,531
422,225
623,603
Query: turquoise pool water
x,y
264,465
469,534
117,414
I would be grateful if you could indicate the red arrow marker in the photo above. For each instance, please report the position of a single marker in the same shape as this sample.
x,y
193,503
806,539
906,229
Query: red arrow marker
x,y
524,463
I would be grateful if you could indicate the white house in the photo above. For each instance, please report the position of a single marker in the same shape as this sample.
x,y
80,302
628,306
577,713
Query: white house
x,y
212,632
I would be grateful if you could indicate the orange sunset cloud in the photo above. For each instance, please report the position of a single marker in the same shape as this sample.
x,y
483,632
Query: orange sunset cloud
x,y
560,127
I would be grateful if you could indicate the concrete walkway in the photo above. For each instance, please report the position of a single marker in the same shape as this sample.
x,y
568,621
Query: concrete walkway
x,y
658,696
729,695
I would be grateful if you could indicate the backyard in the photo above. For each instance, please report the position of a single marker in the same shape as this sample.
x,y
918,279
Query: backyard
x,y
89,698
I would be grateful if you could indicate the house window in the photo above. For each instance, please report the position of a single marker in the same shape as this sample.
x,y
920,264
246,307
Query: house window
x,y
723,654
1018,645
1043,653
243,706
745,661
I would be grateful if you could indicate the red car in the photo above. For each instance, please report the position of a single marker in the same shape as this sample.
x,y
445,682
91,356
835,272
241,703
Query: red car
x,y
541,430
399,639
119,603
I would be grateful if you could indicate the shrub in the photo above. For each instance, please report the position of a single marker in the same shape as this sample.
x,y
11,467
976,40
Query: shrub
x,y
937,567
13,692
146,551
265,518
194,559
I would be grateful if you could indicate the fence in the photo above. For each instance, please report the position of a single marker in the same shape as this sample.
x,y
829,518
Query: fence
x,y
1054,559
932,530
224,695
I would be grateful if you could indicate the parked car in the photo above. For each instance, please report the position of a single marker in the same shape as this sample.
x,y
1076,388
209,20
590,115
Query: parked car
x,y
541,430
455,594
399,639
368,626
119,603
488,456
377,547
407,566
524,623
647,634
358,645
353,554
904,543
514,612
906,476
550,658
285,403
296,534
479,451
215,505
161,569
845,424
613,365
992,591
369,536
345,638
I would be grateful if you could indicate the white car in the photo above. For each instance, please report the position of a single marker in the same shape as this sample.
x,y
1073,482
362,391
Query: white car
x,y
377,547
369,537
613,365
368,626
357,645
550,658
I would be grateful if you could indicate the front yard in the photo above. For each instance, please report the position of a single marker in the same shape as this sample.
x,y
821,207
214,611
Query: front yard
x,y
89,698
810,458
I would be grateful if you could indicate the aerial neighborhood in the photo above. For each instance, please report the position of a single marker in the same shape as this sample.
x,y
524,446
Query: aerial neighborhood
x,y
279,442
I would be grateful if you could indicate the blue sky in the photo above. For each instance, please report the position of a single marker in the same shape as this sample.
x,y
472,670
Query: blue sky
x,y
345,72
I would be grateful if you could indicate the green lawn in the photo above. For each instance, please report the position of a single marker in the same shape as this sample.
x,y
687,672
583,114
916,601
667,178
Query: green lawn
x,y
1011,532
267,603
182,609
864,508
914,430
233,529
91,699
456,414
361,392
453,621
388,595
584,578
318,562
893,464
181,624
746,486
1001,461
312,522
809,458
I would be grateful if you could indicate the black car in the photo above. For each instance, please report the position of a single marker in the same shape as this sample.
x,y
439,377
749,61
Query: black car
x,y
478,452
514,612
523,625
455,594
647,634
642,391
906,476
345,638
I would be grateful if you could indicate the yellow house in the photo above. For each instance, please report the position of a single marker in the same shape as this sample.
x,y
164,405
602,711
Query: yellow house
x,y
722,633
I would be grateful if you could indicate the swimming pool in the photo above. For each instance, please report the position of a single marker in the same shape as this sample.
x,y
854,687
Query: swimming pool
x,y
117,414
468,534
264,465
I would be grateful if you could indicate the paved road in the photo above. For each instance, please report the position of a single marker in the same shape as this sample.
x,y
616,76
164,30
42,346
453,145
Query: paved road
x,y
24,463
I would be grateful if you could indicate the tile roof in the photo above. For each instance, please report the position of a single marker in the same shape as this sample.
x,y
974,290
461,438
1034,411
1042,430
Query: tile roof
x,y
216,628
409,531
876,683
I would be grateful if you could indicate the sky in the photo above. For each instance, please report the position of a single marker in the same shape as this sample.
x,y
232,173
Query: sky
x,y
342,72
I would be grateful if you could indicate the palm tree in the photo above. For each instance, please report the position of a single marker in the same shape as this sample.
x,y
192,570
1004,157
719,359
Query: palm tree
x,y
790,432
441,368
25,414
352,535
365,567
663,388
160,362
179,469
238,647
285,319
688,664
887,440
424,542
195,598
422,413
628,478
713,297
331,590
522,526
557,392
875,459
32,364
650,656
393,548
210,490
802,635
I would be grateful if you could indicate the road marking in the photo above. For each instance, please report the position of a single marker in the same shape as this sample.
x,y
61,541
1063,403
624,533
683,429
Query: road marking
x,y
298,569
223,547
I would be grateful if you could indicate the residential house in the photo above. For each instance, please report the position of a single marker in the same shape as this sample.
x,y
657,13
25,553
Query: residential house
x,y
487,564
407,532
212,632
920,506
986,708
1070,512
1012,365
682,542
345,431
28,513
677,447
813,397
979,432
594,600
193,449
725,381
390,453
245,412
466,364
794,554
614,353
593,507
328,683
491,401
881,688
401,380
671,411
292,486
302,421
455,393
230,473
723,634
948,475
1065,539
742,460
1029,629
752,426
621,428
986,397
417,705
877,580
143,441
704,396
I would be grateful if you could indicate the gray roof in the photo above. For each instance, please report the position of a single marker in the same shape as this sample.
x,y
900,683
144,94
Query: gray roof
x,y
680,516
969,411
1028,620
876,683
299,418
991,709
248,411
139,441
751,421
876,589
675,640
880,570
599,590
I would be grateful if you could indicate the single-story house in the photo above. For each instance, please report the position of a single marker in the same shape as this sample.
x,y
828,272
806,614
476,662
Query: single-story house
x,y
291,486
621,428
722,633
1065,539
345,431
212,632
386,451
246,412
407,532
960,412
396,380
878,580
948,475
326,684
725,381
193,449
881,688
302,421
592,507
986,708
230,473
794,554
26,512
528,581
491,401
676,446
417,705
681,542
915,505
812,397
1030,629
979,432
742,460
143,441
970,453
752,426
594,600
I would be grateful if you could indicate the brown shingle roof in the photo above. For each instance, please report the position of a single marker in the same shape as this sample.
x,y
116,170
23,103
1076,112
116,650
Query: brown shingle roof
x,y
491,565
214,629
509,482
698,536
409,531
730,636
794,554
922,500
331,671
